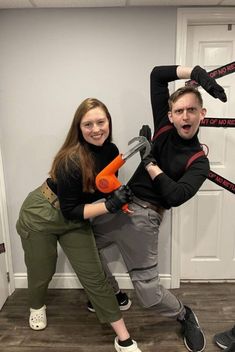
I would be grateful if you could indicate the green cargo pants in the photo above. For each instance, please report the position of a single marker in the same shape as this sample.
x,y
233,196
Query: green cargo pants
x,y
40,227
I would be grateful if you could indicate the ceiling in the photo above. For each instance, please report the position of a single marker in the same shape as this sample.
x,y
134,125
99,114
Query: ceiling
x,y
15,4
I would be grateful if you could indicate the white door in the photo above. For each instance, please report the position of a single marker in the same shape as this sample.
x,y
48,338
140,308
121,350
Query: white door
x,y
207,222
3,273
4,285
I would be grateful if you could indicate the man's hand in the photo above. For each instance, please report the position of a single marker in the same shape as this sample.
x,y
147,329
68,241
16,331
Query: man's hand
x,y
118,198
148,160
146,132
208,83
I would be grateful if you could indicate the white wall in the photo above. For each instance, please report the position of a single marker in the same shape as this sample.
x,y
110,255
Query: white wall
x,y
52,59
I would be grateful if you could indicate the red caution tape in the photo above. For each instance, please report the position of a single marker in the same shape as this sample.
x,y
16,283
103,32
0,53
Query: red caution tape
x,y
221,181
218,122
217,73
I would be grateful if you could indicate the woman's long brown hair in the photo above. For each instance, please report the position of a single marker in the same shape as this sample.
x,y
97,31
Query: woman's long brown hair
x,y
74,153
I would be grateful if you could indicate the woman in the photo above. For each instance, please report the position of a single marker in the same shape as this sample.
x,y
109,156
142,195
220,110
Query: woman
x,y
59,211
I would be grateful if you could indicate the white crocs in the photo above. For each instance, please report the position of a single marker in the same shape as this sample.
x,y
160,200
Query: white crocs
x,y
38,318
132,348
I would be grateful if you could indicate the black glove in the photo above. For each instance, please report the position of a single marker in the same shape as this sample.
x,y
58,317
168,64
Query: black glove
x,y
148,159
208,83
121,196
146,132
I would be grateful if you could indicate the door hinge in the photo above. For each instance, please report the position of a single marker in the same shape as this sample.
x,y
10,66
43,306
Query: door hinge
x,y
8,277
2,248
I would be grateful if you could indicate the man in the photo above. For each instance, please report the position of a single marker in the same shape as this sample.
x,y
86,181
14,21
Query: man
x,y
167,177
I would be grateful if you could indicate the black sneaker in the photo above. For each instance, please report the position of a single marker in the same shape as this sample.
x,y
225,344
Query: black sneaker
x,y
123,301
194,338
226,338
231,348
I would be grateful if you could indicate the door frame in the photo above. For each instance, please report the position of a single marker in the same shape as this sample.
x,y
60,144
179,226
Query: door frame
x,y
186,17
4,223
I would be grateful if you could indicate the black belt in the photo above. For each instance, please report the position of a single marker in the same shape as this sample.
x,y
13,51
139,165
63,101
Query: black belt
x,y
144,204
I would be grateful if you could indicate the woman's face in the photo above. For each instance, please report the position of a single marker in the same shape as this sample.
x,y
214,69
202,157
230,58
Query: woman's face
x,y
95,126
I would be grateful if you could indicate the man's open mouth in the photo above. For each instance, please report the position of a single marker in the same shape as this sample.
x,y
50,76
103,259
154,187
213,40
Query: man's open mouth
x,y
186,127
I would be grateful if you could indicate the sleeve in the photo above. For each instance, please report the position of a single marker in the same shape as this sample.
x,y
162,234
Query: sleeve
x,y
159,93
69,186
174,193
70,195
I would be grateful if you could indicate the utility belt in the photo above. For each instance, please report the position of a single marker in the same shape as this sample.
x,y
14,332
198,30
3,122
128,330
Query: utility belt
x,y
50,195
143,204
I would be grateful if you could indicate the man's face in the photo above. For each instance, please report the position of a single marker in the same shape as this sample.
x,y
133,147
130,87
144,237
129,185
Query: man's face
x,y
186,115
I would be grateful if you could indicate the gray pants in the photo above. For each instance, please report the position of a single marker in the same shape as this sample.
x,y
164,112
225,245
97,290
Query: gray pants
x,y
136,237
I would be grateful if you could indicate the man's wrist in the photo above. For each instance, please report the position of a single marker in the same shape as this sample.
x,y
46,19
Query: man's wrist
x,y
150,164
153,170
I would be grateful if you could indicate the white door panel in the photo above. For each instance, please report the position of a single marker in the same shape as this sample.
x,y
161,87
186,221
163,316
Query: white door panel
x,y
3,269
207,222
210,45
3,278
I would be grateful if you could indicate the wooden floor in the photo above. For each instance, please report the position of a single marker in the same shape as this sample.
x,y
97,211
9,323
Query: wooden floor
x,y
71,328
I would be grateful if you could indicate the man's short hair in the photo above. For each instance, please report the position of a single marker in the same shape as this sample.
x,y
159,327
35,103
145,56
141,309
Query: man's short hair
x,y
182,91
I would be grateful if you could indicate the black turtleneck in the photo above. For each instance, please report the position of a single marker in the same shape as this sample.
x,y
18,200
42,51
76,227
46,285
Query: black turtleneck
x,y
175,185
69,190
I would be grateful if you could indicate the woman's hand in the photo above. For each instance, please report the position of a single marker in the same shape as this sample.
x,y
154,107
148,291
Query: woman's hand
x,y
118,198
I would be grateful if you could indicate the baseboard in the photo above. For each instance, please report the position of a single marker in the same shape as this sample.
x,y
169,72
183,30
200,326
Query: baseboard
x,y
214,281
67,280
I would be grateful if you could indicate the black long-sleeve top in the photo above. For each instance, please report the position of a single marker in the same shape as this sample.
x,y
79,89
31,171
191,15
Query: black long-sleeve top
x,y
176,184
69,190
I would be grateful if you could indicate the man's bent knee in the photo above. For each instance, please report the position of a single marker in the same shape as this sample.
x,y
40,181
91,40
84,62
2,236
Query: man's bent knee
x,y
154,296
149,292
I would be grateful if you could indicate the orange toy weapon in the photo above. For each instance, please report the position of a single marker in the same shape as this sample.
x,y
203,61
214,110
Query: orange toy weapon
x,y
106,181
